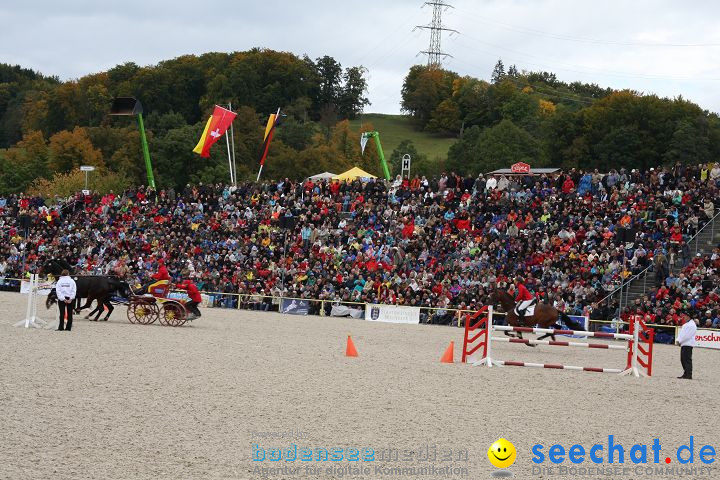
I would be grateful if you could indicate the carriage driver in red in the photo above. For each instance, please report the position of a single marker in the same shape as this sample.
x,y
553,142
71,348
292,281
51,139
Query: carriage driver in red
x,y
523,297
192,291
161,280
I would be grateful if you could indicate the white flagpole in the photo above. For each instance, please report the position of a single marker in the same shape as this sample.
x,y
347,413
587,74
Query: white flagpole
x,y
227,140
232,142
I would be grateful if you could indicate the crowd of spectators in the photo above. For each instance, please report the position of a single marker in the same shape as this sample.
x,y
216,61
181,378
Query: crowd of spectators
x,y
441,243
694,291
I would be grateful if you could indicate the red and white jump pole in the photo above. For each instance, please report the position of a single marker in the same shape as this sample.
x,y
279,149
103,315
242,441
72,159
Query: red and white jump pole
x,y
478,335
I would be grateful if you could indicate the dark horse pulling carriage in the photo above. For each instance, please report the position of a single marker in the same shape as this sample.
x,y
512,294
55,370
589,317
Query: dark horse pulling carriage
x,y
142,309
90,287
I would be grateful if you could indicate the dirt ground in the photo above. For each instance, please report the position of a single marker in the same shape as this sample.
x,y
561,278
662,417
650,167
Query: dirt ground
x,y
120,401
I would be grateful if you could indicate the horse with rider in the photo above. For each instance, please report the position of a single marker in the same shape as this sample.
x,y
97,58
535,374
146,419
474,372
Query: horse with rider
x,y
523,310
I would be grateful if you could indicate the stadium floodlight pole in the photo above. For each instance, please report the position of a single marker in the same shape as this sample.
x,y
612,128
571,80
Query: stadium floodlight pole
x,y
127,106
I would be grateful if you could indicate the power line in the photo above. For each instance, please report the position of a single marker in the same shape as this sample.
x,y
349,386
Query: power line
x,y
572,38
434,52
553,64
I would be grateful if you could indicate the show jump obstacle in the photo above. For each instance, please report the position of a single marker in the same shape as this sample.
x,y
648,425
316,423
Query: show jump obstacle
x,y
31,318
478,339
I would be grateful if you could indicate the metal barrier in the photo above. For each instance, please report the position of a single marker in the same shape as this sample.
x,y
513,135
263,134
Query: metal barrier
x,y
257,302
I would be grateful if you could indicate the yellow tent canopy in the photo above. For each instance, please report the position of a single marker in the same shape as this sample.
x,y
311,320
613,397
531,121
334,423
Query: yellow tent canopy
x,y
352,174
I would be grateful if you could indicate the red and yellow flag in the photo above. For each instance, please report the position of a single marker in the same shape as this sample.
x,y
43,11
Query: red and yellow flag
x,y
215,127
269,132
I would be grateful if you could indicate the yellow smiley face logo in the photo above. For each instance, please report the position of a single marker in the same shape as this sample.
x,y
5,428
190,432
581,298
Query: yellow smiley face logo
x,y
502,453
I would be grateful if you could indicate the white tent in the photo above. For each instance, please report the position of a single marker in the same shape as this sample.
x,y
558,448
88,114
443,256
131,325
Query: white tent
x,y
322,176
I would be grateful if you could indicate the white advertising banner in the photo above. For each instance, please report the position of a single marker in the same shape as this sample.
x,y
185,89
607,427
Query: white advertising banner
x,y
707,339
43,287
392,314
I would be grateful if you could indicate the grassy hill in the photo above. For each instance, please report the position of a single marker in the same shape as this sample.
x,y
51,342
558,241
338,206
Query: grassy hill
x,y
396,128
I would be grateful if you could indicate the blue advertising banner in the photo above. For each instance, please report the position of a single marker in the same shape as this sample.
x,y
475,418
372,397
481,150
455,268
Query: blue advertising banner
x,y
295,307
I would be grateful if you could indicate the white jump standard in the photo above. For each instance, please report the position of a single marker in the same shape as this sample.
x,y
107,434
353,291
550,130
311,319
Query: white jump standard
x,y
31,318
478,335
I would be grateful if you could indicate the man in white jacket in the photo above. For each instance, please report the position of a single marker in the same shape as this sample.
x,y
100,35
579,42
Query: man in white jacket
x,y
686,340
65,289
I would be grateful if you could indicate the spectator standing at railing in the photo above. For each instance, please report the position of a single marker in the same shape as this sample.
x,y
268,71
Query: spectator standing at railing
x,y
661,266
686,340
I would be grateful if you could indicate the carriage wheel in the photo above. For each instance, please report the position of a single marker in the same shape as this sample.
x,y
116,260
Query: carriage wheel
x,y
142,313
173,314
162,317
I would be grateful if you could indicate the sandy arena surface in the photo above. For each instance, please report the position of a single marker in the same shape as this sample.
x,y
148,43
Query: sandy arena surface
x,y
120,401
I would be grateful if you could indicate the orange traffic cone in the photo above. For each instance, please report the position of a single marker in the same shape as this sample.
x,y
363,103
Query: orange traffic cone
x,y
449,354
350,350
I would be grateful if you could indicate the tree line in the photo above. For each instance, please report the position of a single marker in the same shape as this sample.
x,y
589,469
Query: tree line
x,y
535,118
50,127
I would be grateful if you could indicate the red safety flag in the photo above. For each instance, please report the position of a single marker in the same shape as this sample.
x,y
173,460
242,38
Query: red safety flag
x,y
215,127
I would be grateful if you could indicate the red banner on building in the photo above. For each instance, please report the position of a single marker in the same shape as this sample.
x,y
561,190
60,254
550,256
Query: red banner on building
x,y
520,167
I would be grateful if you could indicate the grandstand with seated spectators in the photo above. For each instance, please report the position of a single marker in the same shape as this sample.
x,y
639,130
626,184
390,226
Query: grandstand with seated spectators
x,y
437,243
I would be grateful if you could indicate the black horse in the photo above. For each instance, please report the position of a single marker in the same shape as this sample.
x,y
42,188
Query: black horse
x,y
91,287
54,267
95,288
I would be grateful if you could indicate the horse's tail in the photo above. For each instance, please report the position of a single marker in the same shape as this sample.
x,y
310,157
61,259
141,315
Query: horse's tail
x,y
51,299
572,324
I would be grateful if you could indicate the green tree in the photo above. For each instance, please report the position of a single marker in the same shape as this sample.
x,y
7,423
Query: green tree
x,y
295,134
66,184
688,145
498,72
445,119
621,146
405,147
22,164
424,89
351,99
496,147
329,73
71,149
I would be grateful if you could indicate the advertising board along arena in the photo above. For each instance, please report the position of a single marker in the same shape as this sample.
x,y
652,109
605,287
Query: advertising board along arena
x,y
392,314
707,339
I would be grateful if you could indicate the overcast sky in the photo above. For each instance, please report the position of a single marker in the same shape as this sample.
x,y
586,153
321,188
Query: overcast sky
x,y
665,47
